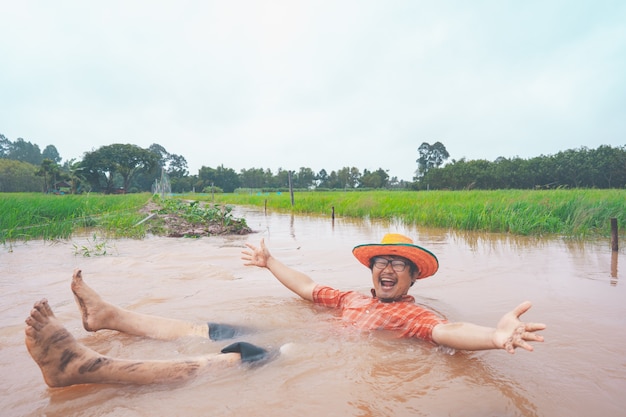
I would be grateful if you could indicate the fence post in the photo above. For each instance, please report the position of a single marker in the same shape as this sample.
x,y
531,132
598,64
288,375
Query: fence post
x,y
290,187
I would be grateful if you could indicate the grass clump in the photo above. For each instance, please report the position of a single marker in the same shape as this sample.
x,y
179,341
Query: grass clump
x,y
94,247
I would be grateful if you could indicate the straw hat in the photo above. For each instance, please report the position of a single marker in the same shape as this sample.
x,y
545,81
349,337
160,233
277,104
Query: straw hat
x,y
399,245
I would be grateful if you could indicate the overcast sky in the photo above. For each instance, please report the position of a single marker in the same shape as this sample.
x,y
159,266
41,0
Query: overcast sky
x,y
317,84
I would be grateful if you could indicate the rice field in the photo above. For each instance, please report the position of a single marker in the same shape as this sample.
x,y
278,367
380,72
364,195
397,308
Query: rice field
x,y
582,214
578,213
25,216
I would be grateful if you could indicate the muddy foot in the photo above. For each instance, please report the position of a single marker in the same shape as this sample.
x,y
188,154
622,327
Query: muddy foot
x,y
97,314
54,349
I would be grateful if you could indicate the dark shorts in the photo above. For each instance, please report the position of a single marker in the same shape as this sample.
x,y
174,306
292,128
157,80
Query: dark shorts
x,y
220,331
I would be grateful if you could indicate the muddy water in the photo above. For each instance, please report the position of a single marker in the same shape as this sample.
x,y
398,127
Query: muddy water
x,y
578,289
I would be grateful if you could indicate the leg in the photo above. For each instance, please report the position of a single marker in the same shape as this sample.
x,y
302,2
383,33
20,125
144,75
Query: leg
x,y
99,314
63,361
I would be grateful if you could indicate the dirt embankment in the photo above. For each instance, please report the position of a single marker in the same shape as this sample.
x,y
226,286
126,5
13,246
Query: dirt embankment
x,y
178,223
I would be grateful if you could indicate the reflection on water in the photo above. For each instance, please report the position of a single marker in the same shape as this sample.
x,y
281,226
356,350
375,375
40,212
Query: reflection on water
x,y
614,256
331,370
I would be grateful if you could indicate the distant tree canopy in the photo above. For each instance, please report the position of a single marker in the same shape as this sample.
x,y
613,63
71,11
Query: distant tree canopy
x,y
224,178
21,150
16,176
431,156
101,166
49,171
604,167
51,153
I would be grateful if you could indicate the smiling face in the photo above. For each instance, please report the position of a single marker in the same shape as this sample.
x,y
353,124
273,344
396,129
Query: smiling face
x,y
392,276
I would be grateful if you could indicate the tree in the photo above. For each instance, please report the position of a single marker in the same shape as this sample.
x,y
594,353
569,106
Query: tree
x,y
224,178
16,176
183,184
305,178
228,179
103,165
160,152
50,152
321,178
609,166
48,170
177,166
376,179
330,180
281,179
256,178
5,146
24,151
348,177
73,172
431,156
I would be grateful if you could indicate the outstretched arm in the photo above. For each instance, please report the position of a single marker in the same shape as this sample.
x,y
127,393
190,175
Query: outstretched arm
x,y
296,281
509,334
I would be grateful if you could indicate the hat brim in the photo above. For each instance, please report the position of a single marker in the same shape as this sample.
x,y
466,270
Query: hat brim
x,y
426,261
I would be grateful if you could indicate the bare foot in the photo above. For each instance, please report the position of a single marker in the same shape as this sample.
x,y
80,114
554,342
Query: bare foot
x,y
97,314
60,357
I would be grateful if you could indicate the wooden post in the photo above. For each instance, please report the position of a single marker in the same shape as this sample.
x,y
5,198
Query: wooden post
x,y
333,213
290,187
265,206
614,243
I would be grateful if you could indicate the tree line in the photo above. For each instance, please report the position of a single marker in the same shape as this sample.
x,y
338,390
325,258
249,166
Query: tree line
x,y
130,168
603,167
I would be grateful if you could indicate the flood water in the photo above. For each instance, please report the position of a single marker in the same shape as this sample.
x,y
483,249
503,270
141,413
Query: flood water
x,y
577,289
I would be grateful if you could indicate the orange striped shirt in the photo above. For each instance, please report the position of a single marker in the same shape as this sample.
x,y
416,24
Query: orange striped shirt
x,y
369,313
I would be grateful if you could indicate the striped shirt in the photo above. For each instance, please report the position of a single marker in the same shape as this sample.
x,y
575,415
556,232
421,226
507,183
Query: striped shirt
x,y
369,313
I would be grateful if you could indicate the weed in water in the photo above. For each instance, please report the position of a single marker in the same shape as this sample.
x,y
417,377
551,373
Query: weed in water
x,y
94,247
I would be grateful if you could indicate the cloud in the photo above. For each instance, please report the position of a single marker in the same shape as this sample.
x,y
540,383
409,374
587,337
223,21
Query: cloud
x,y
319,84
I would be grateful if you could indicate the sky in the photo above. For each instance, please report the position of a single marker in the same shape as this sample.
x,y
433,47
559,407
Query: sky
x,y
315,83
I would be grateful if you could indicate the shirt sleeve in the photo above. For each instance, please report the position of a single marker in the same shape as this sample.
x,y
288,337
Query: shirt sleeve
x,y
326,296
421,322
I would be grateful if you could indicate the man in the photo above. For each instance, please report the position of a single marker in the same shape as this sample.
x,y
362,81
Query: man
x,y
64,361
396,263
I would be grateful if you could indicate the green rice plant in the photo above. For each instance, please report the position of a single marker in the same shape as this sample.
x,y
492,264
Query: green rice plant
x,y
578,213
28,216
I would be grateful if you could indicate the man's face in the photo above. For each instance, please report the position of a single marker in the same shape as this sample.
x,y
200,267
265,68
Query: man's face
x,y
391,276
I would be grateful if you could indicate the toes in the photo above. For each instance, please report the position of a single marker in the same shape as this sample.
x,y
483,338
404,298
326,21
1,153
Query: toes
x,y
39,314
33,323
78,274
77,279
46,309
36,315
43,308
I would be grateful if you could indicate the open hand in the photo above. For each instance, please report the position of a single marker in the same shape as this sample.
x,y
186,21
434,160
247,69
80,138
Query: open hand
x,y
256,256
512,333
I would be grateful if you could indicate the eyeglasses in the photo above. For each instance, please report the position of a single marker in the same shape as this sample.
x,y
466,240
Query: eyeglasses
x,y
396,264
